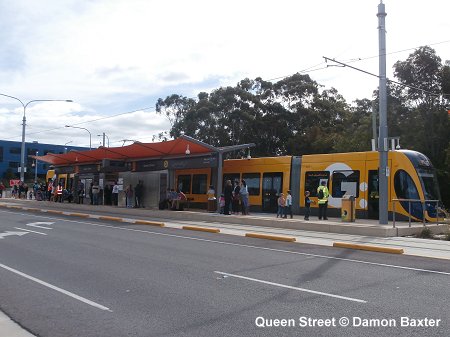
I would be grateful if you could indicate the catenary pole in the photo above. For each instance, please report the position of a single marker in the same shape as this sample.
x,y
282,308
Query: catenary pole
x,y
383,132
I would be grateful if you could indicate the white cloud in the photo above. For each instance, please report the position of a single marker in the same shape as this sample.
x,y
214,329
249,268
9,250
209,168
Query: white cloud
x,y
114,56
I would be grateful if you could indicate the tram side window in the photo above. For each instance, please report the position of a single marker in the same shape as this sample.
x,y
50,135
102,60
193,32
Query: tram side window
x,y
199,182
184,183
404,186
253,182
313,179
345,182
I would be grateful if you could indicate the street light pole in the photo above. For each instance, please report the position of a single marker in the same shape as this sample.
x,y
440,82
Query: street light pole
x,y
104,135
90,136
24,122
36,167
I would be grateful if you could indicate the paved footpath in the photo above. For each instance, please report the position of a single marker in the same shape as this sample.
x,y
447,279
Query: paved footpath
x,y
262,225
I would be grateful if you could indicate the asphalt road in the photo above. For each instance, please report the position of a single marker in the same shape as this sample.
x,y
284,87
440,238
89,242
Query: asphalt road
x,y
84,277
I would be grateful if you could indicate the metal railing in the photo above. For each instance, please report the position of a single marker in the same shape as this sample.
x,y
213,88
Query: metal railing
x,y
422,202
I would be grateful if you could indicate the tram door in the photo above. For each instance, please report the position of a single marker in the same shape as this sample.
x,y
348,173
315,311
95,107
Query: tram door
x,y
272,186
373,196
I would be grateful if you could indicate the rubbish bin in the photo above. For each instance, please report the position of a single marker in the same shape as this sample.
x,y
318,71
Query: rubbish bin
x,y
348,208
212,205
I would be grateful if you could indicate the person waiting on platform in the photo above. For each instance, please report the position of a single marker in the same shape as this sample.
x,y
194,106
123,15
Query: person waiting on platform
x,y
178,203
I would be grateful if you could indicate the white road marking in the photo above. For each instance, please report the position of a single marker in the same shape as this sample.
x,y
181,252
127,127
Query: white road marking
x,y
51,286
37,224
248,246
29,230
8,233
291,287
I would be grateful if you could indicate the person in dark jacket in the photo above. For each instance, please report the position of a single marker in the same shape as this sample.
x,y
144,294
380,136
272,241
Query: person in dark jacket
x,y
139,194
228,193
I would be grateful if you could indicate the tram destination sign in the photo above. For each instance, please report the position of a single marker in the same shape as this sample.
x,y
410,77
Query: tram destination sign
x,y
176,164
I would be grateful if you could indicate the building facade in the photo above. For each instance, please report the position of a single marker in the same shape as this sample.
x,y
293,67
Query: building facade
x,y
10,158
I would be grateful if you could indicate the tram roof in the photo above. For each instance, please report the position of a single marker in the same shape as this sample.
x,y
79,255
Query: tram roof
x,y
168,149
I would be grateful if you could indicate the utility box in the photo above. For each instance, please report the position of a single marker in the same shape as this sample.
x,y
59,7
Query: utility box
x,y
212,205
348,208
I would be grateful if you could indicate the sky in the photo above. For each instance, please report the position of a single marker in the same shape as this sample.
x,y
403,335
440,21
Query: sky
x,y
115,58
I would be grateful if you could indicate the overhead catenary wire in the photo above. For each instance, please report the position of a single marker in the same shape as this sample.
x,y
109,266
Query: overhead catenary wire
x,y
313,68
387,79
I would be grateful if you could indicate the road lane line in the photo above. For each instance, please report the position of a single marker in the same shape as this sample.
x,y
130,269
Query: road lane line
x,y
291,287
37,226
248,246
29,230
51,286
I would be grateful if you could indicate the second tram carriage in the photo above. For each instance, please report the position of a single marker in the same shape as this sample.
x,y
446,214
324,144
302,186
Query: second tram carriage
x,y
410,176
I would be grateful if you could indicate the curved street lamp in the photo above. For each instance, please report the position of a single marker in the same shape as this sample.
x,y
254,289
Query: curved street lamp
x,y
90,136
24,121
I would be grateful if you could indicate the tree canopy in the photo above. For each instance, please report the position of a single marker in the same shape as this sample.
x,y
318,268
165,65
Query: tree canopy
x,y
297,116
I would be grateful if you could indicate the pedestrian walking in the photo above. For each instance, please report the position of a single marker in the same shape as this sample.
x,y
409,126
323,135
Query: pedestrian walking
x,y
244,197
288,206
80,192
228,193
129,196
308,203
95,193
115,194
236,198
139,194
281,203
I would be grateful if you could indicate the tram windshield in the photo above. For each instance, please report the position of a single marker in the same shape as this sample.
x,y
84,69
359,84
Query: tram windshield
x,y
429,184
426,173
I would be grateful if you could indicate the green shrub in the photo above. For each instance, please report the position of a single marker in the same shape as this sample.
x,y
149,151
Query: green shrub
x,y
426,233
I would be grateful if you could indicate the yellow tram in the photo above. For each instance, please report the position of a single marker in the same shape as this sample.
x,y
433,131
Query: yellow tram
x,y
410,176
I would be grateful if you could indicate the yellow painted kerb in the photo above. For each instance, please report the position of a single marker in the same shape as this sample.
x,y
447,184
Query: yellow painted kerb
x,y
270,237
82,215
110,218
54,212
151,223
369,248
202,229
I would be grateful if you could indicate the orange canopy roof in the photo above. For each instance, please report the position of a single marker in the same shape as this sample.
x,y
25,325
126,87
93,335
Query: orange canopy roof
x,y
136,151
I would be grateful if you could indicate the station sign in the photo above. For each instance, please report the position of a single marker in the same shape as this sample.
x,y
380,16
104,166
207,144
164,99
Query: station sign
x,y
88,168
115,166
177,163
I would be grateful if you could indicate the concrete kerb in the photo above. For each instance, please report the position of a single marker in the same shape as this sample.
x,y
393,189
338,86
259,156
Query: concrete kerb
x,y
151,223
138,216
109,218
369,248
201,229
270,237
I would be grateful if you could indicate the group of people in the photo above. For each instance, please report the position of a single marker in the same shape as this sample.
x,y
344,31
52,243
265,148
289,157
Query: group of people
x,y
285,204
174,200
109,194
234,198
136,195
19,191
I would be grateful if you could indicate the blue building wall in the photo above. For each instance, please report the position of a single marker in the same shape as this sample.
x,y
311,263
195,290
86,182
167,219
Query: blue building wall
x,y
10,156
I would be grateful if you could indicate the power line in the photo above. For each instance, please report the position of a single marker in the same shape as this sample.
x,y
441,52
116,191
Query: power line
x,y
391,81
313,68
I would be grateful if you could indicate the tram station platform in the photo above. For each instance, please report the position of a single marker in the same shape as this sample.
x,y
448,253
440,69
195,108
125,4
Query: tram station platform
x,y
361,227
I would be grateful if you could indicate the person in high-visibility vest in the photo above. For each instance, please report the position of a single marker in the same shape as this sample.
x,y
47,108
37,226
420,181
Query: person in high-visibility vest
x,y
322,199
59,193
